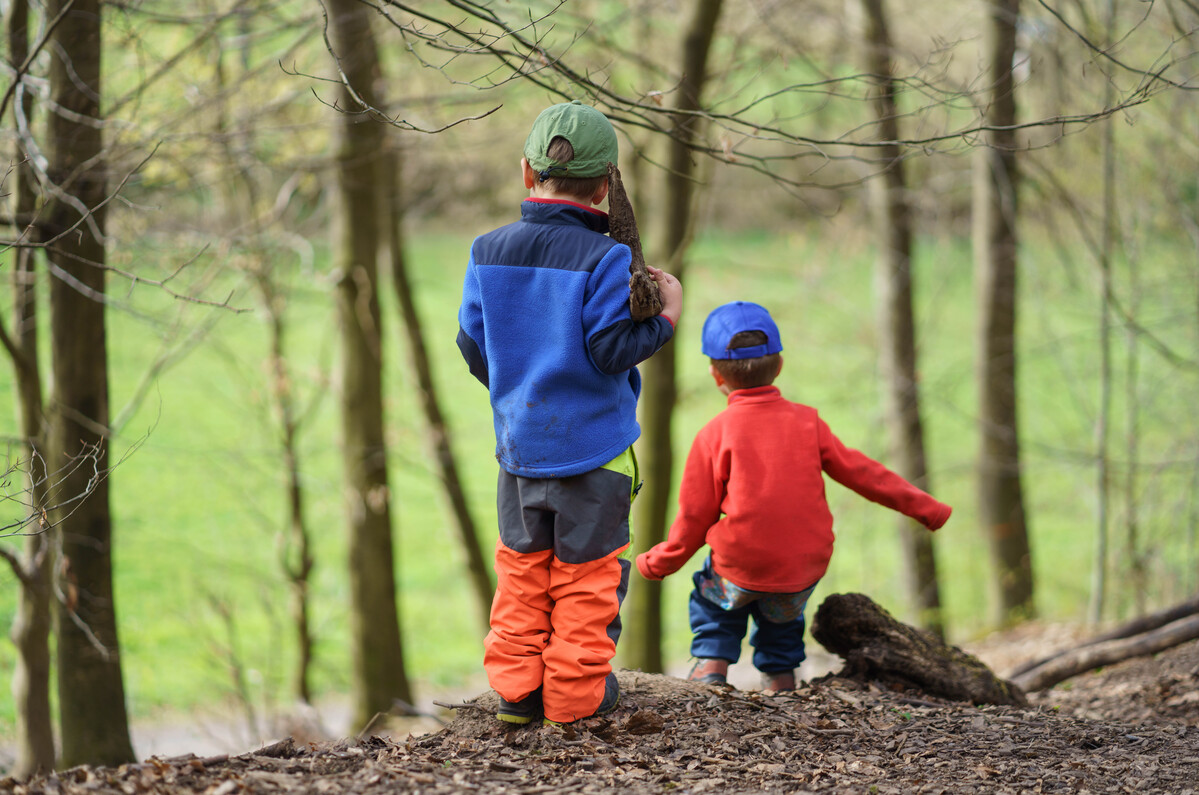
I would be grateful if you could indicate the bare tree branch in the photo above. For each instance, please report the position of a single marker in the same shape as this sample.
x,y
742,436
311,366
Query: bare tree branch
x,y
86,214
522,51
19,76
365,108
1150,76
1161,347
14,562
40,515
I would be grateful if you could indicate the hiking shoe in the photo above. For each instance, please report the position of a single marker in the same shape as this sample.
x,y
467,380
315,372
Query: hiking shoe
x,y
611,695
778,681
527,710
710,670
607,703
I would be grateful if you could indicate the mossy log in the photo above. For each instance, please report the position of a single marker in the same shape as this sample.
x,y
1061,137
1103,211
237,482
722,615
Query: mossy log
x,y
644,301
877,647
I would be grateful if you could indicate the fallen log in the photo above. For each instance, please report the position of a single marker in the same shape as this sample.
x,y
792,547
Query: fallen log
x,y
1129,629
876,646
1091,656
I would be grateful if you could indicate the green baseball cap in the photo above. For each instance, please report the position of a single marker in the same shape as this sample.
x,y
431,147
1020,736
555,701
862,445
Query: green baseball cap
x,y
589,132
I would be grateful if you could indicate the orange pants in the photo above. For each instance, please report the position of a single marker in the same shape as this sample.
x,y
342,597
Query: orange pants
x,y
555,618
549,629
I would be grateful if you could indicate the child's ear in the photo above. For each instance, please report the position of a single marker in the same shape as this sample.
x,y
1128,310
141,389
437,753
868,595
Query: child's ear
x,y
716,375
600,193
776,375
721,384
526,172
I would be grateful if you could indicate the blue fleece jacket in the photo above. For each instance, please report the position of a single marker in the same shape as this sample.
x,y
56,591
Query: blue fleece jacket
x,y
545,325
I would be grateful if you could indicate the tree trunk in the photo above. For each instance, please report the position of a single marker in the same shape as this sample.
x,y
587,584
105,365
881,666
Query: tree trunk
x,y
298,569
295,541
377,652
641,647
1098,596
296,553
31,672
897,349
478,569
1001,500
91,691
32,622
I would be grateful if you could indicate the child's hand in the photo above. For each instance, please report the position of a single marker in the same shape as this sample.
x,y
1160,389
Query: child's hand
x,y
671,293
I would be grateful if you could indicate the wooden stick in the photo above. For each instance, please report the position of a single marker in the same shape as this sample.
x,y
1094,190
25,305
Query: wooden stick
x,y
644,301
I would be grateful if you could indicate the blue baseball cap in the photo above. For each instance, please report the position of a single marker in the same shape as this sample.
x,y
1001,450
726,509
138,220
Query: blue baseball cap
x,y
731,319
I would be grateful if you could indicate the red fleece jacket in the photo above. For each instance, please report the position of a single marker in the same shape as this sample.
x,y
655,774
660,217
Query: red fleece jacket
x,y
753,491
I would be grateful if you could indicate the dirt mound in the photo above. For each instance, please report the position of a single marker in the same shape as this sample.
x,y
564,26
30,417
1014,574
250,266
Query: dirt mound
x,y
1134,727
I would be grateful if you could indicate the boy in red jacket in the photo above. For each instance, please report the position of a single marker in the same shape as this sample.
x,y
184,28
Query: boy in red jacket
x,y
753,491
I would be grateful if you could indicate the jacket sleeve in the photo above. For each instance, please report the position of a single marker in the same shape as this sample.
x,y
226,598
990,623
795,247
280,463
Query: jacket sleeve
x,y
701,493
614,342
855,470
472,337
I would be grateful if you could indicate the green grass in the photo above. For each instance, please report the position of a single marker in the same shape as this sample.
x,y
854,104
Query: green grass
x,y
198,497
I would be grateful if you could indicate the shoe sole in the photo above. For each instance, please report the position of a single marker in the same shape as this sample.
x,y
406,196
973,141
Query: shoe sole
x,y
519,720
596,714
615,704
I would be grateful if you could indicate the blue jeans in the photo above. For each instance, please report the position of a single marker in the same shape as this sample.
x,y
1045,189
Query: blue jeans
x,y
720,612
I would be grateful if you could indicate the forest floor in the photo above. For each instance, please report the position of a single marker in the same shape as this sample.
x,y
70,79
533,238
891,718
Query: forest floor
x,y
1132,727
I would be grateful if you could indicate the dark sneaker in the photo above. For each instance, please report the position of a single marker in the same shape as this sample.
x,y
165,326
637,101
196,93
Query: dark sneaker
x,y
608,703
611,695
527,710
778,680
711,670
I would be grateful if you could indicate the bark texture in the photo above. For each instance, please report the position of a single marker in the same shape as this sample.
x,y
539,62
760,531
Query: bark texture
x,y
32,621
379,678
876,646
897,323
644,301
91,692
478,568
296,557
641,646
996,181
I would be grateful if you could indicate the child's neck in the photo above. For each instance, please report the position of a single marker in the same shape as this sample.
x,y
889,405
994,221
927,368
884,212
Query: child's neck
x,y
549,195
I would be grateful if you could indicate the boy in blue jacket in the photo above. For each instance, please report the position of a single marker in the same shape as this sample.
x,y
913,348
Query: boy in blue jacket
x,y
545,326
